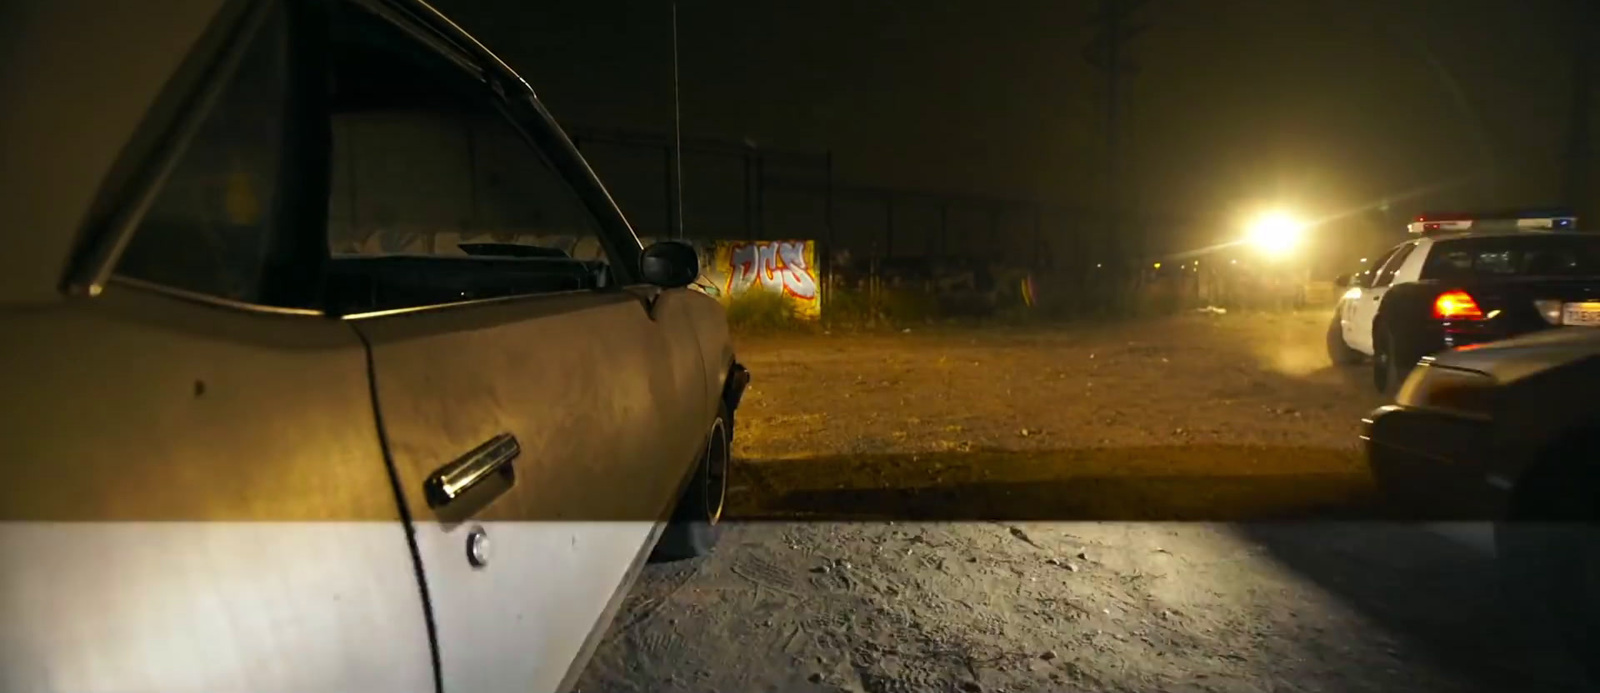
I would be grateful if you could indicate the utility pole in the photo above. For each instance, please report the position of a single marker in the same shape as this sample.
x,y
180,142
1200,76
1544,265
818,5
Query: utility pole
x,y
1107,52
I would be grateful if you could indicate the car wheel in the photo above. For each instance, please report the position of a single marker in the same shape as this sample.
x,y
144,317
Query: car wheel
x,y
1380,362
1391,362
1338,351
697,521
1549,553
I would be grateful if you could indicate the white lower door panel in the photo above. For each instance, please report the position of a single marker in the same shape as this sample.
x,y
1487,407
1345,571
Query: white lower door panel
x,y
210,607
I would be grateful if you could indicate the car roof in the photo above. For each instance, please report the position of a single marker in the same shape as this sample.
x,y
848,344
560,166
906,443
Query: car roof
x,y
1508,233
93,73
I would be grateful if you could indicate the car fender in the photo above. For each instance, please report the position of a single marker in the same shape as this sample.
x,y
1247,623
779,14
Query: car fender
x,y
710,322
1536,411
1404,312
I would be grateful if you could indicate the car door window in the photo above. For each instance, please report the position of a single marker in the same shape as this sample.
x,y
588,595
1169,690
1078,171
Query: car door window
x,y
1369,277
1392,265
438,196
209,230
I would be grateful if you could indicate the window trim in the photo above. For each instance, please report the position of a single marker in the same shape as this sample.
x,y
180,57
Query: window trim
x,y
511,298
208,299
95,266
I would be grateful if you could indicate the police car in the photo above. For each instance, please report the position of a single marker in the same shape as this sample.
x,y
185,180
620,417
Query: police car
x,y
1465,279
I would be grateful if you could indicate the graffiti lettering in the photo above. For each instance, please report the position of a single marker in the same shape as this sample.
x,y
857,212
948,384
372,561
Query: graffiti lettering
x,y
730,269
773,266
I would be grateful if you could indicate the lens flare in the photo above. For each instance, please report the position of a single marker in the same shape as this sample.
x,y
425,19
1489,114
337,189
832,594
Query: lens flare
x,y
1276,234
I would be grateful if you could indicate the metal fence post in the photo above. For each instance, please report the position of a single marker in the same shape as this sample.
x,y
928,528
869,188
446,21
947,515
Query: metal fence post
x,y
944,229
761,197
888,214
828,199
749,208
1038,231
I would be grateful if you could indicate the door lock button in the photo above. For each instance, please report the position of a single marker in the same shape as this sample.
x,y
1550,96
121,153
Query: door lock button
x,y
478,547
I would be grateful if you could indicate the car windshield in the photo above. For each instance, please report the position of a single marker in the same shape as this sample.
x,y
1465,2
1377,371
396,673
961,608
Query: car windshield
x,y
1515,256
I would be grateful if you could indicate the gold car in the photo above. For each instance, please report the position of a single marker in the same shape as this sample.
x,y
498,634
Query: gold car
x,y
328,363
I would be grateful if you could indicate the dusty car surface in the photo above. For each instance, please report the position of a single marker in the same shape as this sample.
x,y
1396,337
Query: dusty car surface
x,y
274,419
1507,433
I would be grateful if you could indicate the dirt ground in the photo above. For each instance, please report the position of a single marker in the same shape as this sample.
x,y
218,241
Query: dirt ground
x,y
1173,505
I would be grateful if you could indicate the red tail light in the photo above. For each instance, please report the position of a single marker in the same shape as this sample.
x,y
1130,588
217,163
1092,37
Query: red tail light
x,y
1456,305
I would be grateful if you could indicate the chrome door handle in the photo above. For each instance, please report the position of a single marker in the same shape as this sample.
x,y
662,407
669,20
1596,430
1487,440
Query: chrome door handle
x,y
452,480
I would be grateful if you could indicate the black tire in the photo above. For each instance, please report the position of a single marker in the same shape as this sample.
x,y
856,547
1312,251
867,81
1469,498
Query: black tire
x,y
1391,362
1339,352
696,523
1549,554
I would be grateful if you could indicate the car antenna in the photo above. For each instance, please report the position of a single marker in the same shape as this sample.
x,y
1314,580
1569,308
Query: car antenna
x,y
677,131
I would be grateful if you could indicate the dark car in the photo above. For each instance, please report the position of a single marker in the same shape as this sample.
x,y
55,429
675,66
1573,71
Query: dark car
x,y
1509,433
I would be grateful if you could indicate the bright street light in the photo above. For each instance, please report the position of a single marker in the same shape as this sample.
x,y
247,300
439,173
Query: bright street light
x,y
1275,234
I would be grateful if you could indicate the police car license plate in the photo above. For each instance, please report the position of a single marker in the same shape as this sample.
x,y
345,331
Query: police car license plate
x,y
1586,314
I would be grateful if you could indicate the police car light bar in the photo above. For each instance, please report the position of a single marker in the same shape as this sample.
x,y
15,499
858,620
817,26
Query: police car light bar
x,y
1459,223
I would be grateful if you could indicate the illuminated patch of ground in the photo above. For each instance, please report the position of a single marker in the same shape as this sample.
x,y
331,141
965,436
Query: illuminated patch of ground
x,y
956,510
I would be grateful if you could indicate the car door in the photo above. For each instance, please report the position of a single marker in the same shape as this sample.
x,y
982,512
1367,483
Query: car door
x,y
1364,308
196,497
539,419
1360,282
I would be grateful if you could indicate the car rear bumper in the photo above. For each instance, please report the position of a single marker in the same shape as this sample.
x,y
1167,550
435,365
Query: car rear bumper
x,y
1432,464
1460,334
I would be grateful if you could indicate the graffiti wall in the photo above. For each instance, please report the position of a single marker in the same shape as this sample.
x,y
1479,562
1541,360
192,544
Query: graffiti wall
x,y
788,268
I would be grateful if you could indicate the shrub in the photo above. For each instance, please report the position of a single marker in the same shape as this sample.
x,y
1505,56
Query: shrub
x,y
761,310
908,306
847,306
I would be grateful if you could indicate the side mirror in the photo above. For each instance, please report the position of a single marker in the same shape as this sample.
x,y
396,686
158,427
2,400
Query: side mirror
x,y
1342,281
670,264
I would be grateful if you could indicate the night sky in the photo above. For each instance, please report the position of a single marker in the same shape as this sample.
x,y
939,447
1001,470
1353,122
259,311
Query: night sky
x,y
1322,105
